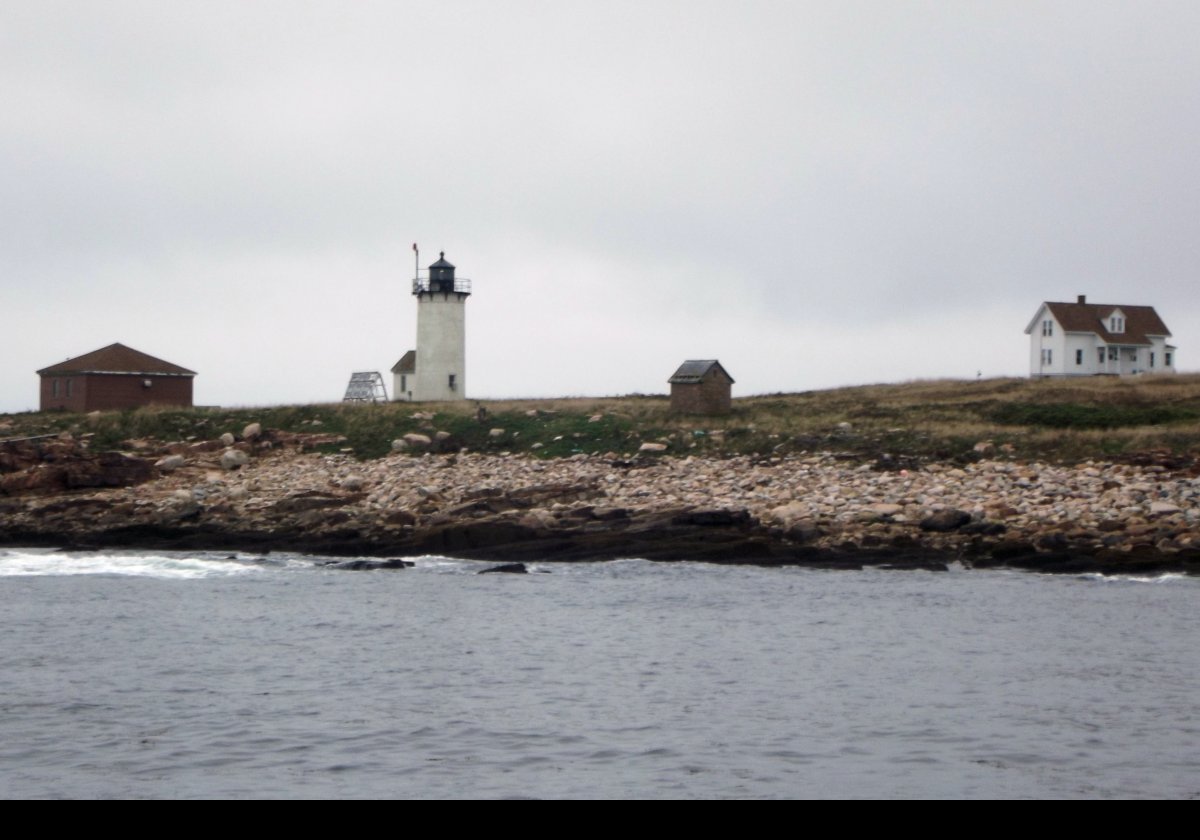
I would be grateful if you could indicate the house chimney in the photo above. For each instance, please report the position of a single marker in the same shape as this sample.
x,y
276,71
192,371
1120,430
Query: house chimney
x,y
1081,299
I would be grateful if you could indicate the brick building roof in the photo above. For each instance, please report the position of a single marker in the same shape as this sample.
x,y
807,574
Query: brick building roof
x,y
116,358
694,370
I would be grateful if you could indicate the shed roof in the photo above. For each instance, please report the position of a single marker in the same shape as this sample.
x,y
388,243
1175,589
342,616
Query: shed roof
x,y
694,370
116,358
407,363
1140,321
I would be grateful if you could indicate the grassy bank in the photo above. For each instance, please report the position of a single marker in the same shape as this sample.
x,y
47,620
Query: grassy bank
x,y
1056,420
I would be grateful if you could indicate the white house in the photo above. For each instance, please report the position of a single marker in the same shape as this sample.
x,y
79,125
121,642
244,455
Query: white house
x,y
1087,339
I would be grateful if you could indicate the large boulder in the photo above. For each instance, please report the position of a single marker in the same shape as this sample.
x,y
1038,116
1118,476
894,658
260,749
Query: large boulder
x,y
948,519
364,565
170,463
802,531
232,459
785,516
507,568
399,517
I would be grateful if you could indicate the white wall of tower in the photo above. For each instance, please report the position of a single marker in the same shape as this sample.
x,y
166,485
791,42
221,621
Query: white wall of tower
x,y
441,372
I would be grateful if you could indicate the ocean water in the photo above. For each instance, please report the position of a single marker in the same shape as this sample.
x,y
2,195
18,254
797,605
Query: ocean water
x,y
203,675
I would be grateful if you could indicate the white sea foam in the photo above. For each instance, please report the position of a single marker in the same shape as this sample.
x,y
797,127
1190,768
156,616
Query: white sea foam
x,y
26,563
438,563
1166,577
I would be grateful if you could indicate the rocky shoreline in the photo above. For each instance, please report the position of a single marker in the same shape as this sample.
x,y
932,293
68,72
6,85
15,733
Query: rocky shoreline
x,y
269,491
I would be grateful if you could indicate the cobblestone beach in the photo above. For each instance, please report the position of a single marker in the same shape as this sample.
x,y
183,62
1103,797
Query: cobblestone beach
x,y
262,492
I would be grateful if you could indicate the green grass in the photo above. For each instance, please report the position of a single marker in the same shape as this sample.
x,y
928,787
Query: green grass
x,y
1077,416
1062,420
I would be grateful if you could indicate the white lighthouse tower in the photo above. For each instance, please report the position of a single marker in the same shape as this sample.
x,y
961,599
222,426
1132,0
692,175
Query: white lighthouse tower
x,y
437,370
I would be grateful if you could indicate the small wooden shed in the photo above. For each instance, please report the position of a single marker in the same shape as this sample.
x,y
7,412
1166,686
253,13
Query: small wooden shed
x,y
114,377
701,386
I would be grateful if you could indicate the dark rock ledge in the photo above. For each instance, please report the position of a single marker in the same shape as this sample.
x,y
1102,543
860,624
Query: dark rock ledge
x,y
705,536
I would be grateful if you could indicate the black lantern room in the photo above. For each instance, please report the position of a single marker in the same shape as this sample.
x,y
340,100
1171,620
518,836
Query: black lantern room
x,y
441,275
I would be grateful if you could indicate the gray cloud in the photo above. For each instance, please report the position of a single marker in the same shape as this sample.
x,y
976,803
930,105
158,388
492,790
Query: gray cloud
x,y
816,193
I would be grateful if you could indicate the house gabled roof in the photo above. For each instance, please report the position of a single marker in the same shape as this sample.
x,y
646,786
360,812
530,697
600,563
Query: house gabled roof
x,y
116,358
407,363
1140,321
694,370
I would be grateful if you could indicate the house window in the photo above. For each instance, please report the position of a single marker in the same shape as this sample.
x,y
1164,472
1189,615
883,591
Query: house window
x,y
1151,358
1114,354
1167,359
1116,325
403,384
1047,328
452,383
1078,357
1047,357
1100,353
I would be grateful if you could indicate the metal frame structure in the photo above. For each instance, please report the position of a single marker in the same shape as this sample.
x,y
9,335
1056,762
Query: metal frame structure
x,y
366,386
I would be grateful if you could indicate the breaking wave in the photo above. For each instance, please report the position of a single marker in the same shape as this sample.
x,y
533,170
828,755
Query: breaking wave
x,y
34,563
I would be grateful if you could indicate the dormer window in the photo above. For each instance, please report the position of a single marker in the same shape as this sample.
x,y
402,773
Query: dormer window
x,y
1116,324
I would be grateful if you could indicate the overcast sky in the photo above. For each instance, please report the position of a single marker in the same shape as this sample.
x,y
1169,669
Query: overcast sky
x,y
815,193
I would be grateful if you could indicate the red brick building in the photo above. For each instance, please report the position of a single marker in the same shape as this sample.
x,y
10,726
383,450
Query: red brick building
x,y
114,377
701,386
